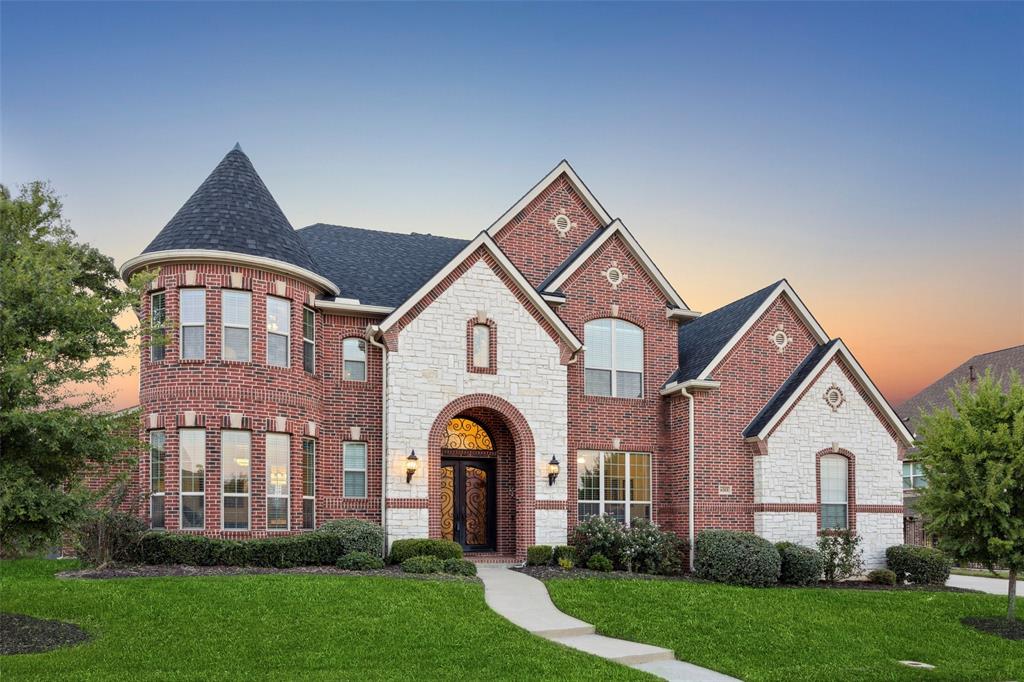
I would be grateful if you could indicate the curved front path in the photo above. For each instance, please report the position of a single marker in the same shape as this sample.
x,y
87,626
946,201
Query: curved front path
x,y
524,600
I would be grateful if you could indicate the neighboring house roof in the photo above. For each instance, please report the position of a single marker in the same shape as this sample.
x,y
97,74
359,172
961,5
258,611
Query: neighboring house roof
x,y
936,395
704,342
233,211
795,386
351,257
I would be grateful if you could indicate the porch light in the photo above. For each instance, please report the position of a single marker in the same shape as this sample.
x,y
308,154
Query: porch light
x,y
411,463
553,469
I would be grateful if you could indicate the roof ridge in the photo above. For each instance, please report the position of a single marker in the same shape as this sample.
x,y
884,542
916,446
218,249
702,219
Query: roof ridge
x,y
989,352
383,231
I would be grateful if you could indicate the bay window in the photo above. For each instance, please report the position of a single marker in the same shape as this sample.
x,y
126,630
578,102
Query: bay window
x,y
235,448
614,483
614,359
192,464
236,312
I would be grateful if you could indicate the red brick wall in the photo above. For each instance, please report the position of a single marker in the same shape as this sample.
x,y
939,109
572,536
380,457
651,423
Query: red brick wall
x,y
531,241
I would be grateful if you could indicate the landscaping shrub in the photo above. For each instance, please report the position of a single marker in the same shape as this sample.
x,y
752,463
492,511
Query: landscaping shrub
x,y
599,562
598,535
356,535
565,563
309,549
882,576
423,564
675,555
442,549
562,552
459,567
538,555
642,547
918,565
800,565
109,536
737,558
360,561
841,556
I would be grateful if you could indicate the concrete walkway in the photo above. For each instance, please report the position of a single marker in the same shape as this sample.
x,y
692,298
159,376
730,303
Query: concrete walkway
x,y
999,586
524,601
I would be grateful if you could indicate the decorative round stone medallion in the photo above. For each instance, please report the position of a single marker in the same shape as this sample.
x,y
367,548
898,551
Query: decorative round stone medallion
x,y
780,338
614,275
834,397
562,224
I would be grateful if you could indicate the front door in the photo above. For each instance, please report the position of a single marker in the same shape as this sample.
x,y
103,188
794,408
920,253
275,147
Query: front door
x,y
468,503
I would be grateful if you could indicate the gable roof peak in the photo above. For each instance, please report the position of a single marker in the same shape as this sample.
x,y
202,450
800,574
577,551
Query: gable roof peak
x,y
563,167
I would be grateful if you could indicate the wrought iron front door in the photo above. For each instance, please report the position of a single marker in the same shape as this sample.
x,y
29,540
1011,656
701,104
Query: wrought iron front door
x,y
468,503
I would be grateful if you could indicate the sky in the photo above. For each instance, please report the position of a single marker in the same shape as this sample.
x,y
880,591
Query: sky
x,y
873,154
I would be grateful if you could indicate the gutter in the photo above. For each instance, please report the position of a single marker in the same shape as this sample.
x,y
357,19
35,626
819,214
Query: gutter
x,y
372,331
352,306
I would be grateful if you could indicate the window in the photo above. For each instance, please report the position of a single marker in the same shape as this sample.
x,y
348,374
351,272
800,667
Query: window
x,y
157,477
354,357
236,309
193,323
614,359
192,462
308,483
308,340
481,345
614,483
834,497
278,457
913,475
279,328
158,314
235,447
355,469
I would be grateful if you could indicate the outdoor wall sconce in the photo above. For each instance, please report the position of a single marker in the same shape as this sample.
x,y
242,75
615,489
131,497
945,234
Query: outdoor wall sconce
x,y
411,463
553,469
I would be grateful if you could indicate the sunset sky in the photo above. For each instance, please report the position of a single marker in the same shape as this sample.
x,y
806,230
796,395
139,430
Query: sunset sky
x,y
871,154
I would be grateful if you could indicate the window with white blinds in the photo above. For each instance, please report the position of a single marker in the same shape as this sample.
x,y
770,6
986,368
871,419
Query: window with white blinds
x,y
278,475
236,312
834,492
192,466
279,327
235,447
192,312
614,359
354,455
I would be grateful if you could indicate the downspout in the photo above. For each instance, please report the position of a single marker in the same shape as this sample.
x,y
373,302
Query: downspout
x,y
371,335
689,433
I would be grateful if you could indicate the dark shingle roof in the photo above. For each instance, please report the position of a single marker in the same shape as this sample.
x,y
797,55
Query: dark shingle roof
x,y
936,395
378,268
787,388
234,211
701,340
572,258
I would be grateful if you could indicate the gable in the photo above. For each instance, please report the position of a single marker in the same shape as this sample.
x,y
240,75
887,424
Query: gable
x,y
528,233
635,284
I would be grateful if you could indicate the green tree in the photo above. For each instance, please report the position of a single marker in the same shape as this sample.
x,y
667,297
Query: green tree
x,y
58,342
973,455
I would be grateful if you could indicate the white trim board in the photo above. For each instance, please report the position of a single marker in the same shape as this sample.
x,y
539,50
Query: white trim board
x,y
484,240
782,289
619,228
581,188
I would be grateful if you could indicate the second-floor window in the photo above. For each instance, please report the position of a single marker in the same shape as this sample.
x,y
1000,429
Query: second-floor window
x,y
481,345
614,359
354,356
192,314
308,340
913,475
158,313
236,310
279,326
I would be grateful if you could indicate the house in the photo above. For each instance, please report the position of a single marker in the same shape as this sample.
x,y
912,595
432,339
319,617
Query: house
x,y
936,395
492,390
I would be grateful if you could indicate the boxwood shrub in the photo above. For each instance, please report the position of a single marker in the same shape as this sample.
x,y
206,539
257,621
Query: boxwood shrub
x,y
736,558
918,565
538,555
360,561
308,549
423,564
356,535
406,549
599,562
562,552
882,576
459,567
800,565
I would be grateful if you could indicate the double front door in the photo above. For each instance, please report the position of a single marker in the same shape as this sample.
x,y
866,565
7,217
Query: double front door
x,y
468,502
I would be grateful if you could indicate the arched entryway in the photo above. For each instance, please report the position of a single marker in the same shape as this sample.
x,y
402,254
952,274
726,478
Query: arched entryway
x,y
481,460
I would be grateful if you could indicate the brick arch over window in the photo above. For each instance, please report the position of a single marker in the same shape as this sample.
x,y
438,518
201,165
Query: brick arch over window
x,y
851,486
516,454
492,346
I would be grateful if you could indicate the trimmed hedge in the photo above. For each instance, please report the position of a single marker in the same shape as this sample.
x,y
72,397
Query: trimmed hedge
x,y
360,561
562,552
882,576
800,565
538,555
406,549
423,564
459,567
918,565
599,562
737,558
308,549
356,535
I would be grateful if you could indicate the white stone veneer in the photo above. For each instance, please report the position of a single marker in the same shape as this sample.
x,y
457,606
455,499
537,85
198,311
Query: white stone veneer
x,y
407,523
552,525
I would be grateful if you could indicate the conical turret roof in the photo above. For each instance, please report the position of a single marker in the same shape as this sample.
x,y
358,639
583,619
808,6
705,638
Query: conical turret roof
x,y
233,211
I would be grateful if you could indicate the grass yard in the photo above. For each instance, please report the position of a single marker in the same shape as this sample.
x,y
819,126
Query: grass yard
x,y
281,627
801,634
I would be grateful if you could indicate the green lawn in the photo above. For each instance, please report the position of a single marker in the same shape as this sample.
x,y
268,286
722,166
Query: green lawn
x,y
282,627
801,634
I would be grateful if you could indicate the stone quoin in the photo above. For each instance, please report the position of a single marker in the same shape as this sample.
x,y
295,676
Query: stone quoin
x,y
298,371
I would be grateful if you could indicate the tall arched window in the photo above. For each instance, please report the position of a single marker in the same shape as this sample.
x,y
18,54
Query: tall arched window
x,y
614,358
834,478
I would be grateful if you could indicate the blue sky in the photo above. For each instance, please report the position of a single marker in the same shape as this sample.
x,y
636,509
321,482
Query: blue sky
x,y
871,153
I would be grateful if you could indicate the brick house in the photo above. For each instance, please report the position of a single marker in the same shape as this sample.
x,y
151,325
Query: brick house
x,y
494,390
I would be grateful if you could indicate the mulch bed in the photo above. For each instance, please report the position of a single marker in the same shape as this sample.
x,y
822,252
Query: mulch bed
x,y
997,626
182,571
27,635
555,572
